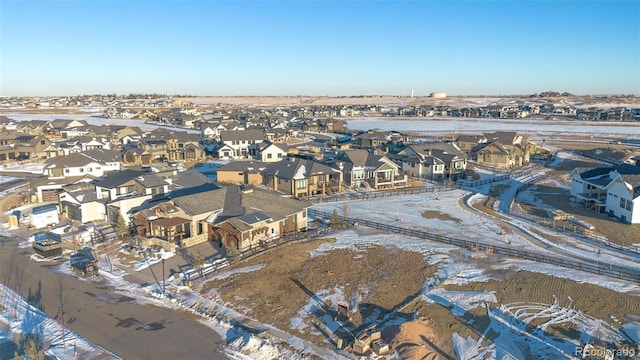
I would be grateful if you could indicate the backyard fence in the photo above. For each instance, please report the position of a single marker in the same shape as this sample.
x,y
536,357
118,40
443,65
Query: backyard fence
x,y
190,273
379,194
574,229
596,267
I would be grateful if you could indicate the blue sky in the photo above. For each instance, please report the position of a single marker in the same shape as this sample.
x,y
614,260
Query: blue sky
x,y
319,47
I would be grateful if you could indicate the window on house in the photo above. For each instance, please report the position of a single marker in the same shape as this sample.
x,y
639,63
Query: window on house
x,y
413,165
42,142
200,228
269,156
304,213
130,189
280,156
301,184
629,203
66,171
623,202
295,218
81,170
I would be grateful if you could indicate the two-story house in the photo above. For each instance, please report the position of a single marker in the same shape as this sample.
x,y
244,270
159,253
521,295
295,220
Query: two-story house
x,y
19,146
434,161
236,144
269,152
302,177
504,150
611,190
128,189
363,168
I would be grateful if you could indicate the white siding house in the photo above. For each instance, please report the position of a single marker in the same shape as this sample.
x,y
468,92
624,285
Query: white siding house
x,y
614,191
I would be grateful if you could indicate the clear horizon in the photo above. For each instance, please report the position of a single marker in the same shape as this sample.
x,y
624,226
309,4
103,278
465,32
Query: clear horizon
x,y
313,48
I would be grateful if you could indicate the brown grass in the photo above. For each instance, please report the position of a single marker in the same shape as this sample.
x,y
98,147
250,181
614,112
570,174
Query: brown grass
x,y
434,214
384,277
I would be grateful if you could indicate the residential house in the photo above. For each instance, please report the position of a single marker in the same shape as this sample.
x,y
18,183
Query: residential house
x,y
363,168
375,139
172,145
19,146
80,202
241,172
54,128
470,143
611,190
235,144
32,127
270,152
252,218
93,163
302,177
434,161
126,190
178,222
504,150
137,156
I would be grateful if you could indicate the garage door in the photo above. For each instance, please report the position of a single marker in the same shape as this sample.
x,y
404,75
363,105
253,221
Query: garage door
x,y
50,195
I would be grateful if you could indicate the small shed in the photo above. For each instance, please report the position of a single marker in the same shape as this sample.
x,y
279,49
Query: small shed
x,y
43,216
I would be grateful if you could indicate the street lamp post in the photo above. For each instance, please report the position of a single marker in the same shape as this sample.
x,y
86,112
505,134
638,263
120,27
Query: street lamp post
x,y
164,287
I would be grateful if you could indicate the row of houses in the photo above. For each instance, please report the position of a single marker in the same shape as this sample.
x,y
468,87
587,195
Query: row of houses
x,y
182,208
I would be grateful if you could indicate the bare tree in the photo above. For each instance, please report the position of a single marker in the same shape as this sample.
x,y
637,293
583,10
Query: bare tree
x,y
345,209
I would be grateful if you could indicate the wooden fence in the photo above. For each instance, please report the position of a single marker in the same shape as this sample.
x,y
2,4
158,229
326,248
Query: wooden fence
x,y
610,270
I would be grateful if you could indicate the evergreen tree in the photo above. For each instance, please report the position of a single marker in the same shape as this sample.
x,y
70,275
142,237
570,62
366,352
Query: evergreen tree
x,y
232,253
121,227
335,219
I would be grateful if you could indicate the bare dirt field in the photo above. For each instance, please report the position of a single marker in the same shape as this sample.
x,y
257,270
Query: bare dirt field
x,y
389,279
384,277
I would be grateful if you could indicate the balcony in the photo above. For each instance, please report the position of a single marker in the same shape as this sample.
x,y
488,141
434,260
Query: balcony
x,y
384,182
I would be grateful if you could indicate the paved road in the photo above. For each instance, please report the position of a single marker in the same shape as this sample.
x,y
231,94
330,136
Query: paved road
x,y
113,321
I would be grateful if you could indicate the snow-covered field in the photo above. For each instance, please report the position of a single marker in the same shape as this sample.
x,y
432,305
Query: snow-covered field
x,y
484,125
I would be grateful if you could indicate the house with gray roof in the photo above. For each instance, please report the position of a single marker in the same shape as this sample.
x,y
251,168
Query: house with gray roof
x,y
92,163
609,190
232,216
80,202
302,177
363,168
269,152
235,144
256,217
434,161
